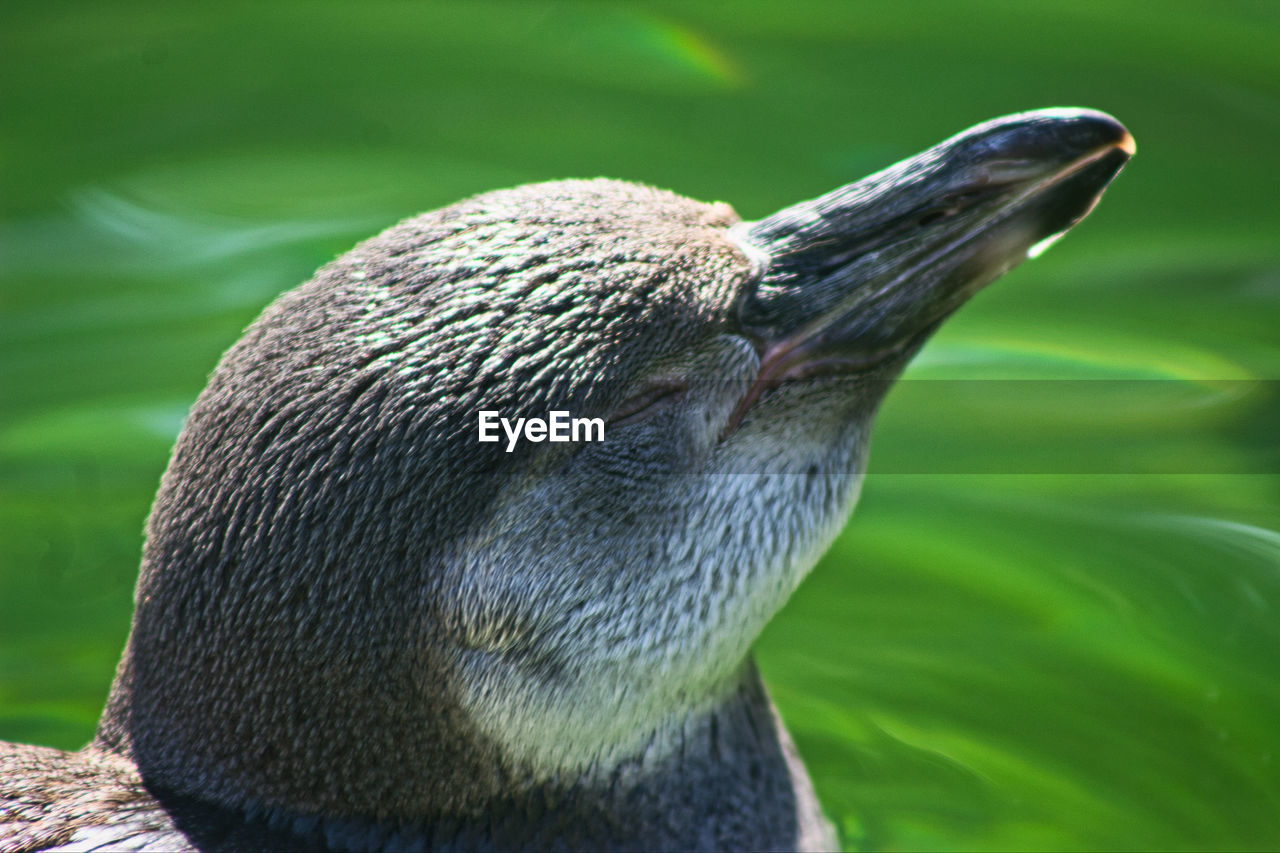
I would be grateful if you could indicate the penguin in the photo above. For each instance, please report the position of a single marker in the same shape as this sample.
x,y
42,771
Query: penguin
x,y
358,626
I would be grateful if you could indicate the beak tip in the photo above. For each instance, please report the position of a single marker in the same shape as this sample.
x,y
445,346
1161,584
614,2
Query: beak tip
x,y
1090,126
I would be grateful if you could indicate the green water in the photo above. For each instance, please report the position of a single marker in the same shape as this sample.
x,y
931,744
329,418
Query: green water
x,y
1052,622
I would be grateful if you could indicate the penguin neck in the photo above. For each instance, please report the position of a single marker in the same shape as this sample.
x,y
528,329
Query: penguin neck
x,y
322,690
729,769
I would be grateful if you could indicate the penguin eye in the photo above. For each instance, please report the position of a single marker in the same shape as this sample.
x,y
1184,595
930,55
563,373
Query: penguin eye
x,y
655,398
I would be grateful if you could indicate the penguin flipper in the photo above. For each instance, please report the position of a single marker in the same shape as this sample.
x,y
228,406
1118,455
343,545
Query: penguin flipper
x,y
52,800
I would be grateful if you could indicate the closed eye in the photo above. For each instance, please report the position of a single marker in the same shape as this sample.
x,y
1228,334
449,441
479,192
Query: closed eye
x,y
652,400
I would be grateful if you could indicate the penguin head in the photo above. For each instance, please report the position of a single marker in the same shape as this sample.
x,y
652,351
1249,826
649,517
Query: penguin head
x,y
346,592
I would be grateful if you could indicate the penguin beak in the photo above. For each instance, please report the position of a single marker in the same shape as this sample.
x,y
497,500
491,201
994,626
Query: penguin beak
x,y
861,276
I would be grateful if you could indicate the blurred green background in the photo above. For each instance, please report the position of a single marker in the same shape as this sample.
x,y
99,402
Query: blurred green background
x,y
1051,624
